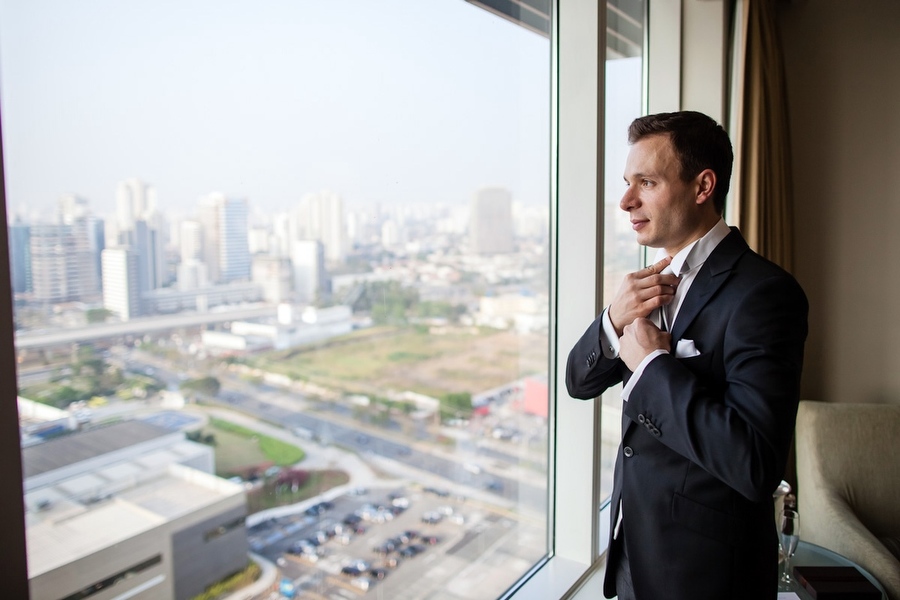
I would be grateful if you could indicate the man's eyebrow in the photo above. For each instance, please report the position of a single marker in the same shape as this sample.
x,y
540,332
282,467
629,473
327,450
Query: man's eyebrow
x,y
638,175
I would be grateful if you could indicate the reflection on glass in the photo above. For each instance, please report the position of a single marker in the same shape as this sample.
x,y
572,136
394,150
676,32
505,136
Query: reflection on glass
x,y
621,254
788,537
328,379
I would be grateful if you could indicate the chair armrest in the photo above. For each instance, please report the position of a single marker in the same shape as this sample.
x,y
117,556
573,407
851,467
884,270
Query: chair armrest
x,y
849,537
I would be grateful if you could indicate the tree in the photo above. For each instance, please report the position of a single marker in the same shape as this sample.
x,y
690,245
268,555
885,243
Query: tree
x,y
456,403
388,301
97,315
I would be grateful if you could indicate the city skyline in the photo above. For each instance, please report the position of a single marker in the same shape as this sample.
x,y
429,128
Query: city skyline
x,y
271,104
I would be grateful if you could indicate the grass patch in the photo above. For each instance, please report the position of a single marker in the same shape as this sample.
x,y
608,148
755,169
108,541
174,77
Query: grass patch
x,y
411,358
238,448
318,483
232,583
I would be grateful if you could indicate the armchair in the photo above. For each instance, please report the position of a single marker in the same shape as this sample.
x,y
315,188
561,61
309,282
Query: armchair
x,y
848,479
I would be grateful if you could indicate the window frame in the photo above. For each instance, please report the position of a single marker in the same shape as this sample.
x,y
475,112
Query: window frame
x,y
12,500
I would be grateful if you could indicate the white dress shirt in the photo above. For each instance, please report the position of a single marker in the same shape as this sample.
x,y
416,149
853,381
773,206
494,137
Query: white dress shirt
x,y
685,264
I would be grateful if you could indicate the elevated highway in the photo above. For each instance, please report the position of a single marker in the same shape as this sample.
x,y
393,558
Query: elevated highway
x,y
27,340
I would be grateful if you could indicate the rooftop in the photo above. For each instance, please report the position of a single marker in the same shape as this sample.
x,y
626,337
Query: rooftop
x,y
61,530
70,449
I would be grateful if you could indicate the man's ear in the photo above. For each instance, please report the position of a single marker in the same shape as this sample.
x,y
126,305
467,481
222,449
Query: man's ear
x,y
706,185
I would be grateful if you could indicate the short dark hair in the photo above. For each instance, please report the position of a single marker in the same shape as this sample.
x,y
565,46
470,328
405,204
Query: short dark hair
x,y
700,143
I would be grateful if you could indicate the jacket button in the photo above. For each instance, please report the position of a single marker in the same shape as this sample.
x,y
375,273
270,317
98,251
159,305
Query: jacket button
x,y
641,418
627,451
655,431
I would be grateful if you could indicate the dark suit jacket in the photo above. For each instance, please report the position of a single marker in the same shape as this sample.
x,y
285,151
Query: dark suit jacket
x,y
706,438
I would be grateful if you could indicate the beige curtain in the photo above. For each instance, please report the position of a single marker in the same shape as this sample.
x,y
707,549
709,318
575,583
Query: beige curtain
x,y
763,186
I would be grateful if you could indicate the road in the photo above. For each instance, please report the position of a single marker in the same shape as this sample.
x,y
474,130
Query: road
x,y
330,430
138,327
333,423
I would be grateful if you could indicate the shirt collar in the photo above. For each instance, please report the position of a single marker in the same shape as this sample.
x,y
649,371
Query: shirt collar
x,y
695,254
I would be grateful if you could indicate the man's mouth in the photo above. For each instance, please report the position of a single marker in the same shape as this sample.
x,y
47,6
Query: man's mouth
x,y
638,224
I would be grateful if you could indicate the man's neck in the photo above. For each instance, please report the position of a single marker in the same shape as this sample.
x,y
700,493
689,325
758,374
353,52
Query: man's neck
x,y
698,234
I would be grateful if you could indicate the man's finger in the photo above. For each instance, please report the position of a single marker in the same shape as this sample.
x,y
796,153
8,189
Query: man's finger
x,y
658,266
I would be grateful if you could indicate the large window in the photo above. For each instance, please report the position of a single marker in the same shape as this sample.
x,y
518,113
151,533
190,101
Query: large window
x,y
284,265
307,276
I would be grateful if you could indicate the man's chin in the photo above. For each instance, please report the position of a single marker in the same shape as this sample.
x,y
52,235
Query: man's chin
x,y
646,240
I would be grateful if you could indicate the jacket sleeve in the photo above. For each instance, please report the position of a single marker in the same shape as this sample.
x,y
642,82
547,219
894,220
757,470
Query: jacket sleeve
x,y
738,430
588,372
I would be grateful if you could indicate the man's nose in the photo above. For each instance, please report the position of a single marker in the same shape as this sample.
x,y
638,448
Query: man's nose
x,y
628,201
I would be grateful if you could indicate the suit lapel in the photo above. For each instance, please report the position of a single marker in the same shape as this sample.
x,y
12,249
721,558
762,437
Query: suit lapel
x,y
714,272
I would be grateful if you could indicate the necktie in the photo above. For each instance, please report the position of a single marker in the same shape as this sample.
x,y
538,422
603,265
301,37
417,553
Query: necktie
x,y
661,316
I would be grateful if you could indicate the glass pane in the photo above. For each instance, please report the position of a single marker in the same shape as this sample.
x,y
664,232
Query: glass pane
x,y
624,102
281,288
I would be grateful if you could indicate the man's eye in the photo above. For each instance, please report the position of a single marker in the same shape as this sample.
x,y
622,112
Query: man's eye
x,y
646,183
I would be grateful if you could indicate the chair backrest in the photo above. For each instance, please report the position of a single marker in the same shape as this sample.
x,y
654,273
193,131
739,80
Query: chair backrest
x,y
851,451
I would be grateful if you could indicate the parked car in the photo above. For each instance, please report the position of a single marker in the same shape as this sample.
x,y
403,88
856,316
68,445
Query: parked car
x,y
412,550
355,568
432,517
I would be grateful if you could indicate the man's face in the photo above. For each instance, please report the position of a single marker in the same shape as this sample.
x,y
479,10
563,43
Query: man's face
x,y
663,209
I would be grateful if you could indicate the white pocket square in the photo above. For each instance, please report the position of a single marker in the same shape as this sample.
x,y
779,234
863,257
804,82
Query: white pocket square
x,y
686,349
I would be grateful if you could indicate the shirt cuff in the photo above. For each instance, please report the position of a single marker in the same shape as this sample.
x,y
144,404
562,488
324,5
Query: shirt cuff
x,y
626,389
609,339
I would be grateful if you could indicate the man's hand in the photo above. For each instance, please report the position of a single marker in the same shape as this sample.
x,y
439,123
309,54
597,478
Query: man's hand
x,y
639,339
640,293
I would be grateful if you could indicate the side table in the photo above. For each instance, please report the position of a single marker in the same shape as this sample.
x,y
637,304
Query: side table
x,y
816,556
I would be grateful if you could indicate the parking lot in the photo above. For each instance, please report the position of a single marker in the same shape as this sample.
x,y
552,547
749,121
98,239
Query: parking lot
x,y
400,543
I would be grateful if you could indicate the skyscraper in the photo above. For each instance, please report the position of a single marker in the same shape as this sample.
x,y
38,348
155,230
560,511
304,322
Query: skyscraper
x,y
121,287
490,222
321,217
53,263
74,211
308,261
20,257
134,200
226,249
142,227
234,248
191,246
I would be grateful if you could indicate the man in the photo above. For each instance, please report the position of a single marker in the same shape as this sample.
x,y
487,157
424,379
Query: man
x,y
709,344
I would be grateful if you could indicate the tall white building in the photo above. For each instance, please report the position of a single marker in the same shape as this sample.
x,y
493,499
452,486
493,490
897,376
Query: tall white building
x,y
121,286
280,244
259,240
321,217
191,241
490,222
134,200
53,263
390,234
310,278
87,242
142,227
192,274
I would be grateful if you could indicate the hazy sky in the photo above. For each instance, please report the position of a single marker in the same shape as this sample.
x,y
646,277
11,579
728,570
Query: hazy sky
x,y
380,101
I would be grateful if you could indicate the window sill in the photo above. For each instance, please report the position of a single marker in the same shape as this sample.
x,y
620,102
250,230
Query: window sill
x,y
563,578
